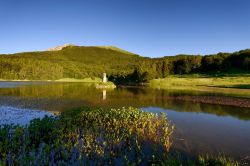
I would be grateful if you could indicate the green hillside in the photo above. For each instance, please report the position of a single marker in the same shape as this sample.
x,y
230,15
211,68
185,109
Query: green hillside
x,y
115,49
121,66
70,62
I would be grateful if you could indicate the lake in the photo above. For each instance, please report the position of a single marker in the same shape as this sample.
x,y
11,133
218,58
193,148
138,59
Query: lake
x,y
199,128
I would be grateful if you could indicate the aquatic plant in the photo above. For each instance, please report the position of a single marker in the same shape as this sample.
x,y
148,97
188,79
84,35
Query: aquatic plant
x,y
88,136
204,160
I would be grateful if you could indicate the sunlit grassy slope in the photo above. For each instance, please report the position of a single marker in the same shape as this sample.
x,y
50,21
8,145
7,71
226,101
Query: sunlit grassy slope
x,y
238,86
115,49
71,62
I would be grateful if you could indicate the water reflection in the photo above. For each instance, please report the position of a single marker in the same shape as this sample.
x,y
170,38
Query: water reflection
x,y
201,133
64,96
104,94
14,115
200,128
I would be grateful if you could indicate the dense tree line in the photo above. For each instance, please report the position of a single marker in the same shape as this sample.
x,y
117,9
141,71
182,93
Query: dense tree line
x,y
120,66
185,64
21,69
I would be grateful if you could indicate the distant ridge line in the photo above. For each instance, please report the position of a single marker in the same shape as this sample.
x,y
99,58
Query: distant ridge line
x,y
58,48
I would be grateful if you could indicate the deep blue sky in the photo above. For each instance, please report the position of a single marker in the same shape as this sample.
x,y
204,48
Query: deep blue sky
x,y
146,27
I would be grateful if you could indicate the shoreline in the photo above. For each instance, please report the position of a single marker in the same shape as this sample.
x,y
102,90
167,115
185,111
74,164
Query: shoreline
x,y
86,80
235,100
216,100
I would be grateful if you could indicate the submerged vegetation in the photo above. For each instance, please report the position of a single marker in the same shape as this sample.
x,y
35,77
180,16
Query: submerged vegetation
x,y
126,136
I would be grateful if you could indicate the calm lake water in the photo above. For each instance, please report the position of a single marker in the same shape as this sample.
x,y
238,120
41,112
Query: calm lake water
x,y
199,128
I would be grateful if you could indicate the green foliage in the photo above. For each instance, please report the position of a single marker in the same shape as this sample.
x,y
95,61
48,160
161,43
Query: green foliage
x,y
126,136
22,68
70,62
220,161
105,85
214,62
88,136
120,66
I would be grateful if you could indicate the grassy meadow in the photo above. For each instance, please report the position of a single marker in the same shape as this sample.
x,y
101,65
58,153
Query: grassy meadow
x,y
238,86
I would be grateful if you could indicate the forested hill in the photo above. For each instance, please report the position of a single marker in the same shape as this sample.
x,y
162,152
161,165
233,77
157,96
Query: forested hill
x,y
69,62
82,62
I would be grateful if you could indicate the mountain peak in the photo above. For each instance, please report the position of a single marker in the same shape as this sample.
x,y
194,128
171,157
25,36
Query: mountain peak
x,y
58,48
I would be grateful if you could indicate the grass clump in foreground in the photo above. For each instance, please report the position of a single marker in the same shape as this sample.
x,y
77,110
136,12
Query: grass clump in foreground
x,y
92,137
